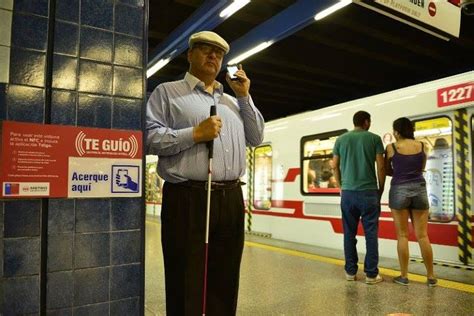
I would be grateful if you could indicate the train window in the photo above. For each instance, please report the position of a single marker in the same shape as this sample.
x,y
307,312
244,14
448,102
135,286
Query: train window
x,y
437,134
317,165
263,177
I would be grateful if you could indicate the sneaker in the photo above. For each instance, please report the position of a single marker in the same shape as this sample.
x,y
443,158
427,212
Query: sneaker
x,y
432,282
350,277
375,280
401,280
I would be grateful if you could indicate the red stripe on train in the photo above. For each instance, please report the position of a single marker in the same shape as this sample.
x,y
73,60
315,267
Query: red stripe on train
x,y
440,234
292,174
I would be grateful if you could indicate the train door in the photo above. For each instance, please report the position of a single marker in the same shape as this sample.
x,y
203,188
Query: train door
x,y
448,138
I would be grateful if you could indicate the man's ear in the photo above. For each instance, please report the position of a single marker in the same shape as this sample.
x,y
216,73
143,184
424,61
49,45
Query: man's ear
x,y
367,123
189,55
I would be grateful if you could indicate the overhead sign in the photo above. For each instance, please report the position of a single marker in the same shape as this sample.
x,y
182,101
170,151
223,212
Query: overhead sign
x,y
428,15
66,161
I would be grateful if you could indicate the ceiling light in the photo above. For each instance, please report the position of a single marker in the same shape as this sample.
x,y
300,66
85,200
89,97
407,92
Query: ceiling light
x,y
341,4
249,53
160,64
233,7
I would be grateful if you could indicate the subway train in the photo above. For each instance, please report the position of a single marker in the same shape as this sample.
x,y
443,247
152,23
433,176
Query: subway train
x,y
290,190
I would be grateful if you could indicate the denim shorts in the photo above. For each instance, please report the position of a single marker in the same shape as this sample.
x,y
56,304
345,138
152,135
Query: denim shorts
x,y
408,196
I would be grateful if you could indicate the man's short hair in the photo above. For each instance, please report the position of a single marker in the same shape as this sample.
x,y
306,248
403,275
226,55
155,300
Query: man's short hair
x,y
360,117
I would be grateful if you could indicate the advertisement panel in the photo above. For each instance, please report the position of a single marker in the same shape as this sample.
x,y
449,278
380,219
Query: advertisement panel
x,y
66,161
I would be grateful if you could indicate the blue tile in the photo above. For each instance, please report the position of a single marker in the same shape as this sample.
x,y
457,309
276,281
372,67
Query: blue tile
x,y
128,82
93,310
27,67
91,250
66,38
39,7
95,77
91,286
138,3
129,20
60,216
128,51
63,107
96,44
126,213
67,10
3,101
125,281
29,31
92,215
59,312
64,72
22,257
97,13
22,296
127,113
129,307
22,218
60,252
94,111
60,290
25,104
126,247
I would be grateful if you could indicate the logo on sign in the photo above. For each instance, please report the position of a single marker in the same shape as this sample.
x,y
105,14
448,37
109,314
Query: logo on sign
x,y
125,178
432,9
85,145
12,188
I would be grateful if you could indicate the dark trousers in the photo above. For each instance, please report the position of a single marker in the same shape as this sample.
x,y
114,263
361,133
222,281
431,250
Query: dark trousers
x,y
183,229
356,205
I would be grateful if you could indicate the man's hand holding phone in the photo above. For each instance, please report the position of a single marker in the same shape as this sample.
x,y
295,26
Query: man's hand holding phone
x,y
240,85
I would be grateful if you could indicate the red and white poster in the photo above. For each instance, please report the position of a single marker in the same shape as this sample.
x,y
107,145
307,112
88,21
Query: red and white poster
x,y
39,160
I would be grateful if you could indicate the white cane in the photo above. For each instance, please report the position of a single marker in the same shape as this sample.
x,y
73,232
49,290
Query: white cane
x,y
210,146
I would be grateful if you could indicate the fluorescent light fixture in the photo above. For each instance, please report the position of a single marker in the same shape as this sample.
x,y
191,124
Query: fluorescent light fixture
x,y
233,7
341,4
396,100
160,64
274,129
323,117
250,52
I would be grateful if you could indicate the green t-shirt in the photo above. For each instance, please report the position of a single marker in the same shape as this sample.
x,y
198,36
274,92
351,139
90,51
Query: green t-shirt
x,y
357,150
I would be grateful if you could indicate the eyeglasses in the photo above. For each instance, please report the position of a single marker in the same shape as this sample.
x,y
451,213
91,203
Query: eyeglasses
x,y
208,49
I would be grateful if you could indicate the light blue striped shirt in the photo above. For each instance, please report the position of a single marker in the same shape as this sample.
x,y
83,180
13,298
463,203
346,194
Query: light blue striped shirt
x,y
174,108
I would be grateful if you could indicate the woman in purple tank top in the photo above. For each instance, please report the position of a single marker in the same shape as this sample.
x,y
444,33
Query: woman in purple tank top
x,y
405,161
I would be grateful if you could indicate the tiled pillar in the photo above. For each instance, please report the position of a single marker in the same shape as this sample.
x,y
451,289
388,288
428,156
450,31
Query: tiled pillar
x,y
94,246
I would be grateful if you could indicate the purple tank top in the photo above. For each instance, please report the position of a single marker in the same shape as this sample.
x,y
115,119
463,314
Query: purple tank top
x,y
407,168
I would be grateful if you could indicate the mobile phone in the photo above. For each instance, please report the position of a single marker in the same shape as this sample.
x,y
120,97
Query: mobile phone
x,y
232,69
122,173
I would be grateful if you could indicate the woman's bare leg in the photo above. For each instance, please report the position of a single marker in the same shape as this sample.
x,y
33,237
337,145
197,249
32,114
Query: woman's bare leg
x,y
400,218
420,223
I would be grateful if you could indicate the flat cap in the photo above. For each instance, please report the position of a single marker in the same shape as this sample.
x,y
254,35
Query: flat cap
x,y
209,38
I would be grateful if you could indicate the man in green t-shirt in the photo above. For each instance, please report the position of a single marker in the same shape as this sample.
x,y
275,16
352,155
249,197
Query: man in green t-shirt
x,y
355,155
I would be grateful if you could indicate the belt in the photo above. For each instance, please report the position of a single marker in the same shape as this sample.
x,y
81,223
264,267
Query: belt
x,y
215,185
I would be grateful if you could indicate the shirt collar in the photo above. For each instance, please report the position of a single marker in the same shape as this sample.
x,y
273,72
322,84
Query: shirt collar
x,y
194,81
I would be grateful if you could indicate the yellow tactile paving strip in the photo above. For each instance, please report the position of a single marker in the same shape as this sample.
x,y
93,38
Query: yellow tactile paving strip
x,y
384,271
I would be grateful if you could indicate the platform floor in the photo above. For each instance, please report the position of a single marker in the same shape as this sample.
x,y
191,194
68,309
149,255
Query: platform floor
x,y
282,278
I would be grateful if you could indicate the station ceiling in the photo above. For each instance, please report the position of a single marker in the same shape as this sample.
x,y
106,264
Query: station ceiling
x,y
350,54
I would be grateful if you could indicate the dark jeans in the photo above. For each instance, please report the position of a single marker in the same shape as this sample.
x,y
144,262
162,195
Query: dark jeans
x,y
183,240
356,205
